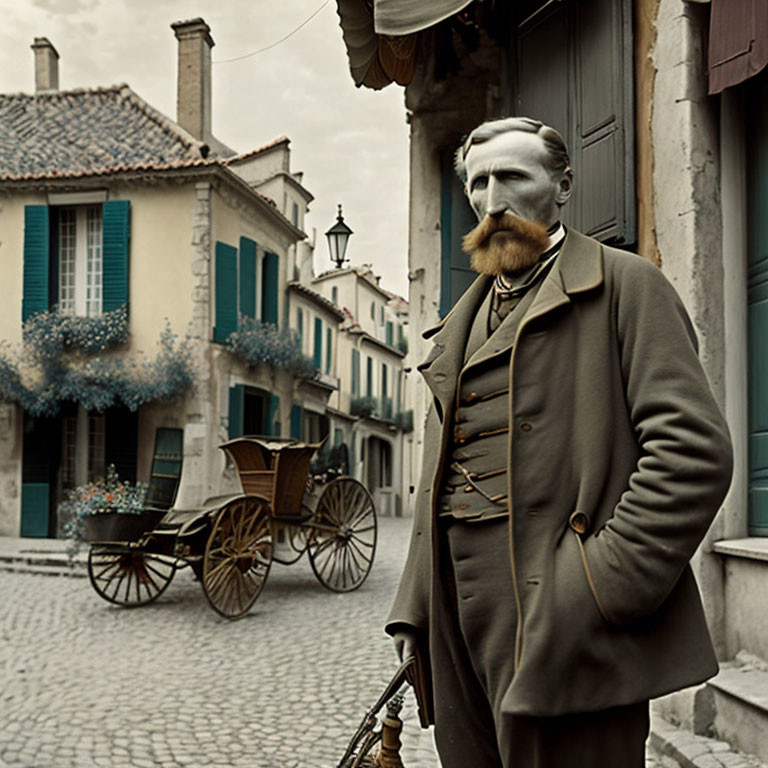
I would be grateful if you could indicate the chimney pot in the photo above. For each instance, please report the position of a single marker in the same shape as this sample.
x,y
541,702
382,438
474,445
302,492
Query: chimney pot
x,y
193,95
46,65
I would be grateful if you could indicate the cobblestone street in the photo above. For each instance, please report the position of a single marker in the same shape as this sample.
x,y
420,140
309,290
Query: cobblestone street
x,y
85,684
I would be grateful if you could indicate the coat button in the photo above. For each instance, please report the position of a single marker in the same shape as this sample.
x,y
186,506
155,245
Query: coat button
x,y
579,522
526,427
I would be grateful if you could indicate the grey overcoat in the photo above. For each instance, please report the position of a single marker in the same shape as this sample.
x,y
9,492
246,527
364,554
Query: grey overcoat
x,y
618,460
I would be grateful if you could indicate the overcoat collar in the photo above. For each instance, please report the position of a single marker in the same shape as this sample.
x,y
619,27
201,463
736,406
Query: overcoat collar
x,y
577,268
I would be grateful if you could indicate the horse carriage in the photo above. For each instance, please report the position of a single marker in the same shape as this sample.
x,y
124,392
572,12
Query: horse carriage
x,y
284,511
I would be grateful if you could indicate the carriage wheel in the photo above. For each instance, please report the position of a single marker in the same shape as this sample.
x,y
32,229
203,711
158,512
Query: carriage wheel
x,y
237,556
129,577
343,535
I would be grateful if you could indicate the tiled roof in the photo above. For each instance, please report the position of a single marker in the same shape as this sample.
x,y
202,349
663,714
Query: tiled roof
x,y
89,131
317,298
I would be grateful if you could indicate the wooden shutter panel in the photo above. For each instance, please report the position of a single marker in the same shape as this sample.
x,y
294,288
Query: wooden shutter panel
x,y
390,333
36,258
603,154
328,349
41,441
226,292
355,372
574,72
269,298
166,468
456,219
296,419
247,277
318,358
116,233
236,403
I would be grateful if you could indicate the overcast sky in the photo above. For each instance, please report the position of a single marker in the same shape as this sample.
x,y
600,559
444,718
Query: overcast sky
x,y
352,144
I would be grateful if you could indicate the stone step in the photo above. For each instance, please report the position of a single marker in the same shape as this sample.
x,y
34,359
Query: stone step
x,y
741,705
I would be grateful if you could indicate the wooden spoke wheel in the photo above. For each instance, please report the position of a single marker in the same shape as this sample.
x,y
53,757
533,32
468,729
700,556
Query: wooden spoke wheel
x,y
129,577
342,538
237,556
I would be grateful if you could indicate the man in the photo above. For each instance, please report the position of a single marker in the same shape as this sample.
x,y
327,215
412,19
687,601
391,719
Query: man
x,y
574,459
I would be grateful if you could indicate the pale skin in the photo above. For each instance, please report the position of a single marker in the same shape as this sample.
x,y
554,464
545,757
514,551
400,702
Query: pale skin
x,y
509,173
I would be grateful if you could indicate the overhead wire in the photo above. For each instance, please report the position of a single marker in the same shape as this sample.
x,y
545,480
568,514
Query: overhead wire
x,y
277,42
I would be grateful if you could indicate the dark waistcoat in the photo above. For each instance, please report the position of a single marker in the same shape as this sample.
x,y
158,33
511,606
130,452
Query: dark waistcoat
x,y
475,484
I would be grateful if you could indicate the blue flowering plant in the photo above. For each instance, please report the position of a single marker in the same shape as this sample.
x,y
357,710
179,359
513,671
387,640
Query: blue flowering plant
x,y
107,494
258,343
65,358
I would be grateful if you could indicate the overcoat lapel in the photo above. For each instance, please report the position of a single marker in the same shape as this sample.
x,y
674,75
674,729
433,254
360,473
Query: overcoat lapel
x,y
577,268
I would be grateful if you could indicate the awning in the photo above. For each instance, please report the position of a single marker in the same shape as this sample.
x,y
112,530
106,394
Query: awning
x,y
738,42
382,36
404,17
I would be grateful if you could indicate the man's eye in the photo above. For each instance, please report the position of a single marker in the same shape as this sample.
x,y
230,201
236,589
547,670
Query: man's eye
x,y
511,176
481,182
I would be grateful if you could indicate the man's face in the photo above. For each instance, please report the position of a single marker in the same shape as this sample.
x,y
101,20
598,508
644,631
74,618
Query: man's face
x,y
510,173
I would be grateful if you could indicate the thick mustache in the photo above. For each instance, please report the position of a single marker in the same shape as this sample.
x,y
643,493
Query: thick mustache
x,y
532,231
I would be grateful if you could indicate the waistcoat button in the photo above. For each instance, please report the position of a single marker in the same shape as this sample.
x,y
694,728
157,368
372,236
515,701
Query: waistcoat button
x,y
526,427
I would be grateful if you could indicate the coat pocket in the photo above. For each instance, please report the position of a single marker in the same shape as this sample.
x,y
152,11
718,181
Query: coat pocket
x,y
579,524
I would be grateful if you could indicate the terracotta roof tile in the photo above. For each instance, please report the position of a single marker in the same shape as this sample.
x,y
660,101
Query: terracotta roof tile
x,y
89,131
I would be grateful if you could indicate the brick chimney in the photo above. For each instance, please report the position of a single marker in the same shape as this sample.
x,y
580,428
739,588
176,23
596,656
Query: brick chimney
x,y
193,97
46,65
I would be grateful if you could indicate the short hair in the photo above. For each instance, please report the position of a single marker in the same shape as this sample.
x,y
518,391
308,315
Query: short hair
x,y
553,142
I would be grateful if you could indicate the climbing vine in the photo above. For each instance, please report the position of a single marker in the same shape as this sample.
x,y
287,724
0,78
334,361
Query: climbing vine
x,y
64,358
257,343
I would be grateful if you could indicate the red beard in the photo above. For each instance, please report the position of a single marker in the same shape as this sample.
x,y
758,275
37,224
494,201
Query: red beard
x,y
505,244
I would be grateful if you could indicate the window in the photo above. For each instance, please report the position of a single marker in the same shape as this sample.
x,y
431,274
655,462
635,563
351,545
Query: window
x,y
318,351
381,315
335,295
80,260
390,333
83,448
328,349
237,280
295,215
373,311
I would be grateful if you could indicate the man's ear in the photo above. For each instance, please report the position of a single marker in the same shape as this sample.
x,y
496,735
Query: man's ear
x,y
564,187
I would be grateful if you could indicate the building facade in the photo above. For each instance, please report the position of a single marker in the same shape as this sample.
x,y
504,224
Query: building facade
x,y
661,104
118,221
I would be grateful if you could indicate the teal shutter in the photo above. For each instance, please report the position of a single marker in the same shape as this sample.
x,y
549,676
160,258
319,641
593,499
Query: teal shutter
x,y
36,258
116,233
35,506
273,416
456,219
318,343
236,402
390,333
756,93
369,377
300,323
355,372
247,277
269,298
226,292
328,349
296,419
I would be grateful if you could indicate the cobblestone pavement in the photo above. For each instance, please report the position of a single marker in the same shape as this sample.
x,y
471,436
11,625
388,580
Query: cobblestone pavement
x,y
84,683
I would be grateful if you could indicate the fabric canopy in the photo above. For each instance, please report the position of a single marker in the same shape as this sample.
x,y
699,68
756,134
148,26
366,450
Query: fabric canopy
x,y
404,17
738,41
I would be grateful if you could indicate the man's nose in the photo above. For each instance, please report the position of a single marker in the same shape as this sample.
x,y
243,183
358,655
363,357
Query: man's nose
x,y
496,199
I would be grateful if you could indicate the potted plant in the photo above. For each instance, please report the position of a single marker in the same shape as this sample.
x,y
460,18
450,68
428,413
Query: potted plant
x,y
107,509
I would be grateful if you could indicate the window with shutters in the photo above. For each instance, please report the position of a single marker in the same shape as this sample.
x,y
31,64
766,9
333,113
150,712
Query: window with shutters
x,y
369,376
328,349
355,373
80,260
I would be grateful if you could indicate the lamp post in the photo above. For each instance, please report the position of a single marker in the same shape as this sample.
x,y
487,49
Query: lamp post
x,y
338,237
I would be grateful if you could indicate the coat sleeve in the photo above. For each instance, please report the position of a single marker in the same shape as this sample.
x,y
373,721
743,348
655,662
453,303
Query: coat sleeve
x,y
412,600
685,458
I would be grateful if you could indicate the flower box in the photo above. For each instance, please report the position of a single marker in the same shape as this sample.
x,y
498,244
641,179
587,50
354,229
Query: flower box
x,y
118,526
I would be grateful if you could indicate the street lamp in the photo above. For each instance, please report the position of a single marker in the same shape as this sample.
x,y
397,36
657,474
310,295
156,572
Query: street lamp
x,y
338,237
